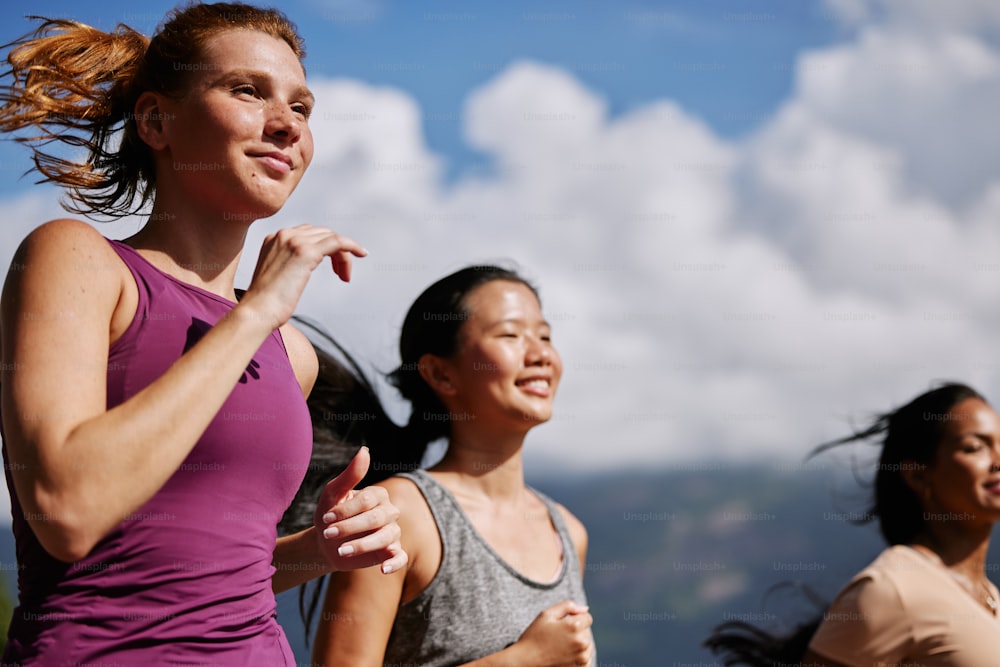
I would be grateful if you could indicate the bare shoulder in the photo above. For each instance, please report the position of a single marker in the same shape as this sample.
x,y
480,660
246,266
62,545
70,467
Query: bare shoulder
x,y
405,495
301,355
65,229
64,238
64,263
420,537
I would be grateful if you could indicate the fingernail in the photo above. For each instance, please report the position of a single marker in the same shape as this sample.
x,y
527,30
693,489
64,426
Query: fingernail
x,y
345,550
329,518
386,568
332,531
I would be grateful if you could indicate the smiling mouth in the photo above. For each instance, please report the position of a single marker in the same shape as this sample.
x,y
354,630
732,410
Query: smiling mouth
x,y
537,386
277,162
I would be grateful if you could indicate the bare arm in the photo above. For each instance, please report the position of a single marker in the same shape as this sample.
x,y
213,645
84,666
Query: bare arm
x,y
75,464
360,606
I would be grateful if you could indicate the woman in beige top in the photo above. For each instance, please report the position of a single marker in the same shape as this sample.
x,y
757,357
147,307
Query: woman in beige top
x,y
926,599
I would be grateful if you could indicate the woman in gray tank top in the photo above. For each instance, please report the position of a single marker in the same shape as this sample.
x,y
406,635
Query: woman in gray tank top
x,y
495,568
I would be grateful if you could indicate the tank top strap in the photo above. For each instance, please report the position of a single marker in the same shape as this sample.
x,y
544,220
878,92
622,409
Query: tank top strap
x,y
142,273
572,563
476,604
455,527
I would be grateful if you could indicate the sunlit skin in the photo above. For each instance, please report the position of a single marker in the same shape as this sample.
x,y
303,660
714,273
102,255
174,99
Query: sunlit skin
x,y
245,118
963,481
501,382
960,491
506,370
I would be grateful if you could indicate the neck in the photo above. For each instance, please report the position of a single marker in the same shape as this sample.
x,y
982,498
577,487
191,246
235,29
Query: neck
x,y
195,248
488,465
961,548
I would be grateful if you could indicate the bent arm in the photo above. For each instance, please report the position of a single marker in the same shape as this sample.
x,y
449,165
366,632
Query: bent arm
x,y
79,468
559,636
360,606
357,617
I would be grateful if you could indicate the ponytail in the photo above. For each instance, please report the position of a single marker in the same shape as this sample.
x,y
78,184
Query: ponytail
x,y
739,643
429,419
70,85
74,85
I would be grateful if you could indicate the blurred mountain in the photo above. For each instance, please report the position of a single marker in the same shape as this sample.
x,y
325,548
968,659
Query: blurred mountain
x,y
675,552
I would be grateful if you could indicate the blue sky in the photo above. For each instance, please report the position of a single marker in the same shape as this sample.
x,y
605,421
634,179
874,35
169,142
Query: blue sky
x,y
750,221
728,61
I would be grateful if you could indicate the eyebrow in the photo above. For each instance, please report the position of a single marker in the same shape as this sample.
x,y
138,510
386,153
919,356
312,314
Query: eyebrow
x,y
299,91
305,93
519,320
978,435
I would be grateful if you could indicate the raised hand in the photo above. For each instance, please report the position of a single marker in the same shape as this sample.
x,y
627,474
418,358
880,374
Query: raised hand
x,y
287,259
357,528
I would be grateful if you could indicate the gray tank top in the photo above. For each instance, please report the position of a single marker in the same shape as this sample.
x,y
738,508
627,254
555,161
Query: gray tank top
x,y
476,604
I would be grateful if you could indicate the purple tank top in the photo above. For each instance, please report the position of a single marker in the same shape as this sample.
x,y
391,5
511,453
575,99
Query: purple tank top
x,y
186,579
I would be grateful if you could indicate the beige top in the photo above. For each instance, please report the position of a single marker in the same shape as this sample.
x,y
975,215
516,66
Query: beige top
x,y
905,609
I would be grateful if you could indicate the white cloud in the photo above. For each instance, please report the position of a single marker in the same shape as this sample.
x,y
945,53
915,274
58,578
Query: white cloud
x,y
713,300
923,16
930,98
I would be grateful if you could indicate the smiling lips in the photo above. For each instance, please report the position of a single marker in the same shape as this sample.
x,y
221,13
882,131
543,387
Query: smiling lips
x,y
540,386
275,161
